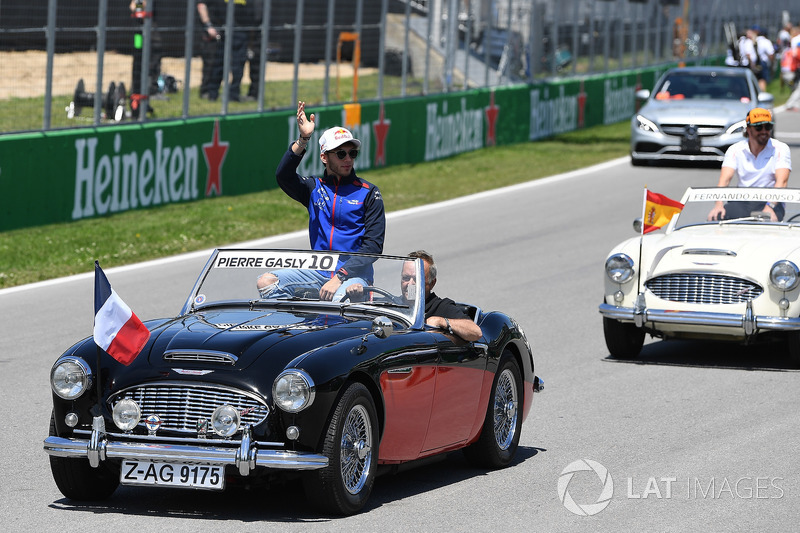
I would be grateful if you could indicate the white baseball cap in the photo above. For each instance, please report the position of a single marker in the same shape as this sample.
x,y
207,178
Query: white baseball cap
x,y
334,137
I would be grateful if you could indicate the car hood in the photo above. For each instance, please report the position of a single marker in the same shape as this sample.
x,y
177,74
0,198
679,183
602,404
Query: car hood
x,y
747,252
710,112
253,337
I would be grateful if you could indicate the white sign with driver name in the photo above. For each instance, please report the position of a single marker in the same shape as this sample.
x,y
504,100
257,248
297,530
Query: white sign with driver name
x,y
270,259
743,195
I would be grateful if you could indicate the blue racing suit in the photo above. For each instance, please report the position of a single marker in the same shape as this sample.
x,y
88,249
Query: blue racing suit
x,y
344,216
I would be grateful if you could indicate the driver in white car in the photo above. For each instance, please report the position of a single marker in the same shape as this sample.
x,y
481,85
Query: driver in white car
x,y
759,161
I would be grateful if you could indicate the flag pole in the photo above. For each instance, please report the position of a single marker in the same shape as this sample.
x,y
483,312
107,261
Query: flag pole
x,y
98,350
99,385
641,238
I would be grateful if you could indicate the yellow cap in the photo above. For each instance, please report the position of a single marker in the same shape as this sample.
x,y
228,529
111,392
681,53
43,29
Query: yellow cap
x,y
758,115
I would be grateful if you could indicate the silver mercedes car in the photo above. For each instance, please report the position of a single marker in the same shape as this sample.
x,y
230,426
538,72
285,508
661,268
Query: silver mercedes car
x,y
694,114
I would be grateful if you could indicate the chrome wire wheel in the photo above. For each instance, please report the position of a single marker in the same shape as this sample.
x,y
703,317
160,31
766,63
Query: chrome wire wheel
x,y
502,425
356,449
351,444
506,401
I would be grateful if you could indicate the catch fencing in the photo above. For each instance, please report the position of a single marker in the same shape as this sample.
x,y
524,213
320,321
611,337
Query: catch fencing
x,y
77,63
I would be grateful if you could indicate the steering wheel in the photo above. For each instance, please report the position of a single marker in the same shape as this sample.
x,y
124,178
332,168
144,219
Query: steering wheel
x,y
383,292
794,217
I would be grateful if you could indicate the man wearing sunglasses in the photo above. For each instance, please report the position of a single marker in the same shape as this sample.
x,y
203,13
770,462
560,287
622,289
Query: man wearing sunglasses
x,y
759,161
442,313
346,213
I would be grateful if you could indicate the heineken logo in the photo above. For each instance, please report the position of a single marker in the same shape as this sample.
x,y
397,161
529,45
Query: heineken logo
x,y
111,179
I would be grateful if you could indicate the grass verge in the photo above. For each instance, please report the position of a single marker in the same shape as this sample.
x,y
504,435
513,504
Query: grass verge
x,y
46,252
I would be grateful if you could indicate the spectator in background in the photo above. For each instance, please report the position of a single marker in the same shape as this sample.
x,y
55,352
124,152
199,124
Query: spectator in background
x,y
212,47
784,38
747,51
213,15
789,62
254,53
765,56
139,13
793,103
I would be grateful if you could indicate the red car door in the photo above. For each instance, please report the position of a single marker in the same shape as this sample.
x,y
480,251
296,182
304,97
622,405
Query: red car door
x,y
460,379
408,383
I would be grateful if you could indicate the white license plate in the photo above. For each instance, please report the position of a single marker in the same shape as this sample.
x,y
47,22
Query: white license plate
x,y
172,475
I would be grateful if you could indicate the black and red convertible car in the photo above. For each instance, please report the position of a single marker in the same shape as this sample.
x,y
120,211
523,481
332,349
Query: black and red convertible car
x,y
244,385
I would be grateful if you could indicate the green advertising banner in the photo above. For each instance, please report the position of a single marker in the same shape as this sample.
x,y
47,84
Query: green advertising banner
x,y
67,175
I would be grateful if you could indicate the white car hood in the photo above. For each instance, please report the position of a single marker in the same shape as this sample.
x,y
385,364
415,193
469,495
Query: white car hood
x,y
743,251
714,112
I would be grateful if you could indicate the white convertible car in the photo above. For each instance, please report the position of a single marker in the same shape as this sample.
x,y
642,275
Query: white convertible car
x,y
735,279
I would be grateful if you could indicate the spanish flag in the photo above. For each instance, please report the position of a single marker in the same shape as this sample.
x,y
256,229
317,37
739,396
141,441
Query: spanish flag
x,y
658,211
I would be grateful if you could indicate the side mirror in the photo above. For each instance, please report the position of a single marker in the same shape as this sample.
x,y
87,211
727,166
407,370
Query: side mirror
x,y
382,327
766,98
637,224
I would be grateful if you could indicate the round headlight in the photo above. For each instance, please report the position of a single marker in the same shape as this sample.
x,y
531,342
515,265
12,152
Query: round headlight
x,y
619,268
293,391
126,414
784,275
70,377
225,420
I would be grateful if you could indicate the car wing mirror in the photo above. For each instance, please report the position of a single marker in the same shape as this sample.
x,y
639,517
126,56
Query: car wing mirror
x,y
382,328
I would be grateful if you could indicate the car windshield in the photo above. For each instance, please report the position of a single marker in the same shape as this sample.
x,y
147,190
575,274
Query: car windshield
x,y
387,283
696,86
742,206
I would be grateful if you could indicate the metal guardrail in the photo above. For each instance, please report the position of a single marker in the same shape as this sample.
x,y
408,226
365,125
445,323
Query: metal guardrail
x,y
407,48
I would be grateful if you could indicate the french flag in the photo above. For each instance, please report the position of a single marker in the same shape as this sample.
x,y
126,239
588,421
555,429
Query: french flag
x,y
116,329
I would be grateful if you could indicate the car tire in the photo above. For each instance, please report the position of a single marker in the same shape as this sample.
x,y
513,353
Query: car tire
x,y
638,162
77,480
793,345
502,426
351,446
623,340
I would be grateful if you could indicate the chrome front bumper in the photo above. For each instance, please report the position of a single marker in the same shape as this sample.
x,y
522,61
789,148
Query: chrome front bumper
x,y
748,323
246,457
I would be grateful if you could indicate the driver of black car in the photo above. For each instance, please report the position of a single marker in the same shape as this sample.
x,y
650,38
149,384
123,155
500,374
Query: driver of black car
x,y
442,313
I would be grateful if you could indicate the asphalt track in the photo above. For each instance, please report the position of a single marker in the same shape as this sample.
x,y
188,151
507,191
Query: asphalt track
x,y
695,436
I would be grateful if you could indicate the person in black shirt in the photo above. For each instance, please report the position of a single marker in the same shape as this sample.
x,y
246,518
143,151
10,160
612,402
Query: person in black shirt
x,y
440,313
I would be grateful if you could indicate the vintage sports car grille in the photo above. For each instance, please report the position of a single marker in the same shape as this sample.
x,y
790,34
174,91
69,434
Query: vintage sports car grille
x,y
180,406
703,288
